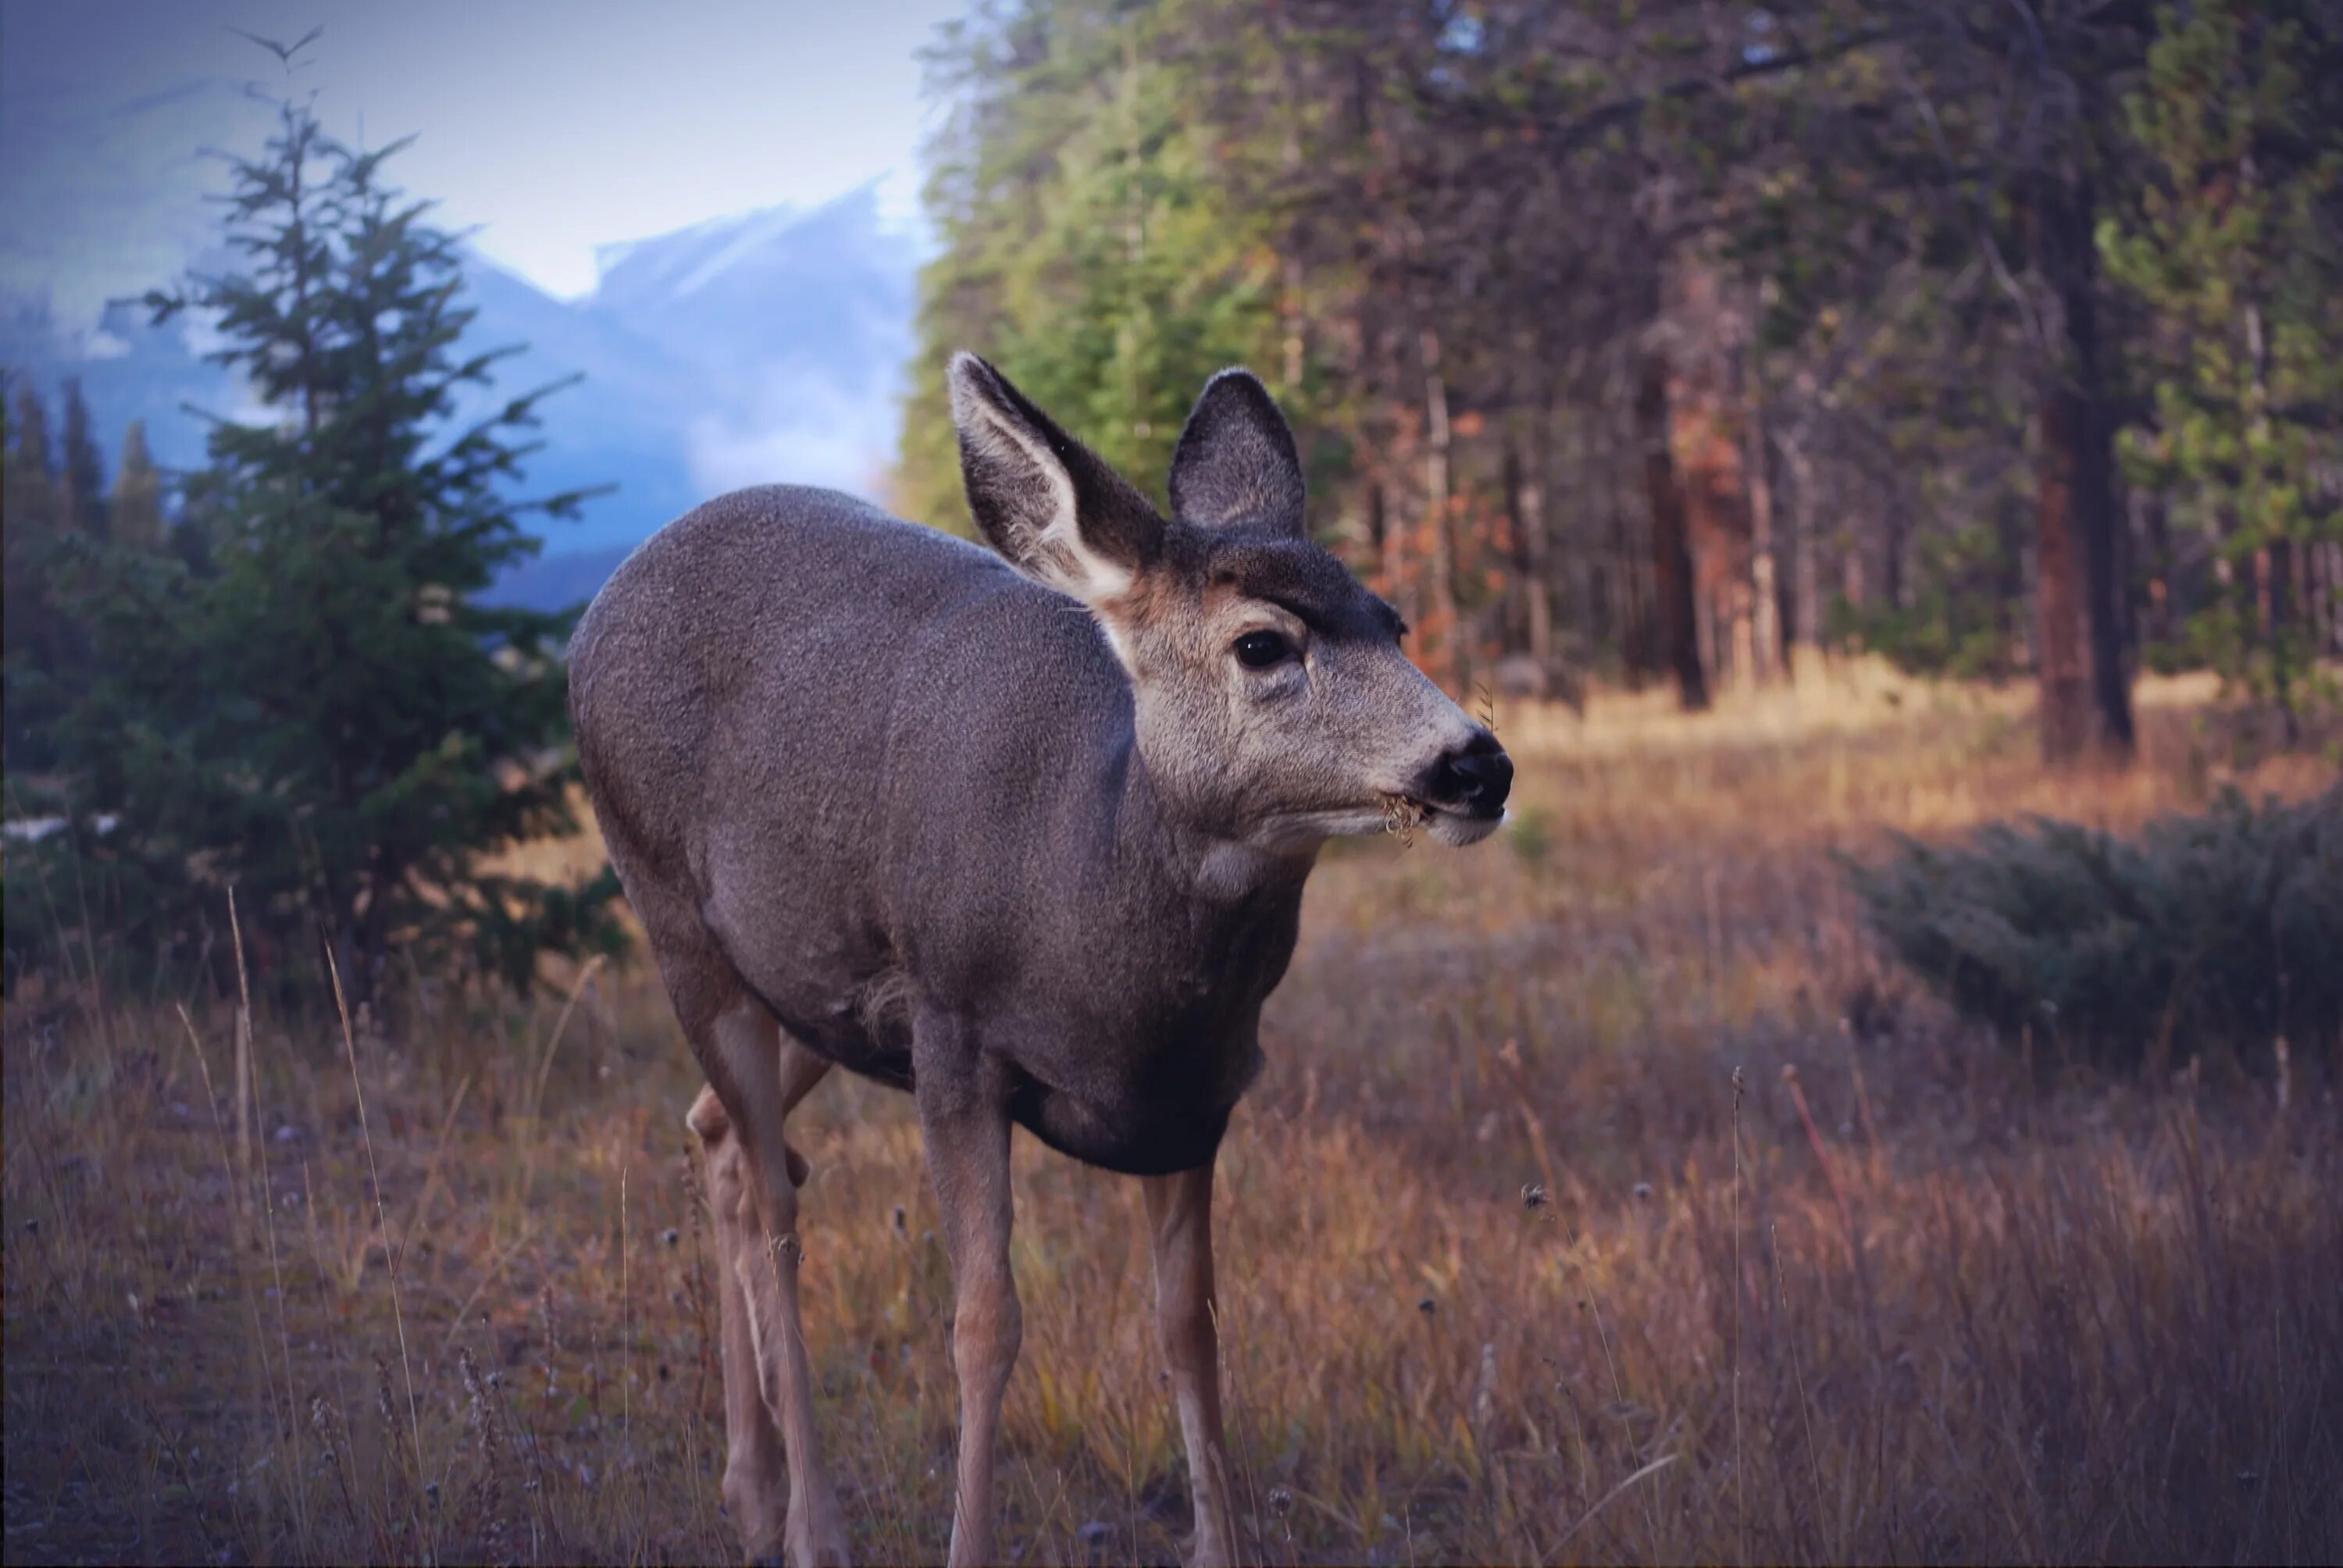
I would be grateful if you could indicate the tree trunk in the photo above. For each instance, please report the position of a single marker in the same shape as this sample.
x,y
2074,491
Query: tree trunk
x,y
1525,491
1671,565
2062,643
1807,589
2078,465
1573,568
1453,660
2281,618
1625,561
2329,597
2164,615
1639,644
1766,641
2008,611
1891,555
1707,647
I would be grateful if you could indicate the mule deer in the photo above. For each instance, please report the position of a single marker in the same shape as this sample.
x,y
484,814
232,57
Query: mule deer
x,y
1023,833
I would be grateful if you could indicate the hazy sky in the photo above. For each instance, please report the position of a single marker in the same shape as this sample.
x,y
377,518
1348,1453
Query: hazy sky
x,y
559,124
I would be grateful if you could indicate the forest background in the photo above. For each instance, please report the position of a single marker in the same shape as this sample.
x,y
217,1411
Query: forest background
x,y
1878,465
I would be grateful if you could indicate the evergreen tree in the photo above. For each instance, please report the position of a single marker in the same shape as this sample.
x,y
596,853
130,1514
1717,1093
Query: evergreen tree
x,y
312,704
32,464
1640,336
30,508
137,520
83,471
2235,254
1096,238
31,503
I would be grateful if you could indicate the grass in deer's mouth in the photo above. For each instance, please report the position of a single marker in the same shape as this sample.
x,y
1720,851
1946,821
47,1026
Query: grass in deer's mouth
x,y
1404,814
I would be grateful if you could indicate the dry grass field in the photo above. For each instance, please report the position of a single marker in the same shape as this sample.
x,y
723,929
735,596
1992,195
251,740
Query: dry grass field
x,y
1607,1198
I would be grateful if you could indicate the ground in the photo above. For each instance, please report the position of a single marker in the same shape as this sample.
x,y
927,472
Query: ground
x,y
1607,1197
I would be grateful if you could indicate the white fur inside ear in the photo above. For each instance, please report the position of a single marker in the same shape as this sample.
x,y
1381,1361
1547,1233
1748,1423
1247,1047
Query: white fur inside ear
x,y
1055,553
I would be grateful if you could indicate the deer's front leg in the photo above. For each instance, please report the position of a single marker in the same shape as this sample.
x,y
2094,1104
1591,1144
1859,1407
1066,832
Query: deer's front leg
x,y
1180,1216
964,1120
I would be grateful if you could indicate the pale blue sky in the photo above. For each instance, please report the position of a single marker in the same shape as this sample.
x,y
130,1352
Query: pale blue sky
x,y
558,125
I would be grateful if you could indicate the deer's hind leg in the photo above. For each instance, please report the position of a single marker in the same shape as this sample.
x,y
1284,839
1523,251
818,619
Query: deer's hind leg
x,y
756,1479
763,1074
756,1074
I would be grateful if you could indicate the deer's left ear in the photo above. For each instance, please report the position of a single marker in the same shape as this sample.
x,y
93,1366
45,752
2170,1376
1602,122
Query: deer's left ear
x,y
1044,501
1236,461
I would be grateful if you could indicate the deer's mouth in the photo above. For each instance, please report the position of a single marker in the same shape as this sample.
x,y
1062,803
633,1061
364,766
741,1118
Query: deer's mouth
x,y
1453,822
1404,814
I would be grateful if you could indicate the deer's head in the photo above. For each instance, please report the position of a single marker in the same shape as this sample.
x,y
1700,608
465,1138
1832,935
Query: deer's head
x,y
1274,707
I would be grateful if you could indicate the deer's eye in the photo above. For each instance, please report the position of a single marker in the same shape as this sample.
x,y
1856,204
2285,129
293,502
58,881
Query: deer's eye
x,y
1261,649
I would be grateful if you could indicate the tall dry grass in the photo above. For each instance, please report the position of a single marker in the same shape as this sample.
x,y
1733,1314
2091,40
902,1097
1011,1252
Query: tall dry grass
x,y
1605,1199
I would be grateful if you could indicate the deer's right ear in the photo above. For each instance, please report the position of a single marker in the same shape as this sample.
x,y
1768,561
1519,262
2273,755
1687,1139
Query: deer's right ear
x,y
1236,461
1044,501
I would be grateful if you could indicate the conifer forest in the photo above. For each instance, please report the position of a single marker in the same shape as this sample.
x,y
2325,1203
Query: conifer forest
x,y
1875,465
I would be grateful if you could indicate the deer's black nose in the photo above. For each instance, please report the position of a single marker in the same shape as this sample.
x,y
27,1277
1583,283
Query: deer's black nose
x,y
1477,776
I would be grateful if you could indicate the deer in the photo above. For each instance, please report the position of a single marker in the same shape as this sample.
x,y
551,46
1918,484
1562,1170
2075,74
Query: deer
x,y
1022,831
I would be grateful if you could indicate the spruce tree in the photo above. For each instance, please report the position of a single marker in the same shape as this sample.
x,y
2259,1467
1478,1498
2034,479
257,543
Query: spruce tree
x,y
32,464
137,517
82,474
30,508
1092,243
311,703
2241,120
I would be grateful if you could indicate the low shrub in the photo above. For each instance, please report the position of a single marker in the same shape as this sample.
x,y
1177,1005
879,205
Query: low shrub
x,y
2219,929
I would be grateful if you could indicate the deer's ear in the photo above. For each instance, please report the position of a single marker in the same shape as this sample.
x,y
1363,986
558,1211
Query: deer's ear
x,y
1236,461
1044,501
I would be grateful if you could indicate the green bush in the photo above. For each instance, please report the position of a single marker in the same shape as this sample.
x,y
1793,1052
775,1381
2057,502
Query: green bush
x,y
2212,931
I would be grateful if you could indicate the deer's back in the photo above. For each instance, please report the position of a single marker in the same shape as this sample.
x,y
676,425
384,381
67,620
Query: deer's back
x,y
736,688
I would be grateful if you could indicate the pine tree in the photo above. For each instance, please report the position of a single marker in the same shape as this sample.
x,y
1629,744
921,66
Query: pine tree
x,y
312,704
83,471
2239,118
31,465
31,501
31,510
1467,236
137,521
1095,245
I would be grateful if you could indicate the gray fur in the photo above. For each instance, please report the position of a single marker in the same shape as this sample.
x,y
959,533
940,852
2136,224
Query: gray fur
x,y
1021,832
952,836
1236,460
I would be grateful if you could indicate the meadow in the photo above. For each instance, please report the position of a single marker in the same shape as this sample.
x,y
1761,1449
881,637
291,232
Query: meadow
x,y
1607,1198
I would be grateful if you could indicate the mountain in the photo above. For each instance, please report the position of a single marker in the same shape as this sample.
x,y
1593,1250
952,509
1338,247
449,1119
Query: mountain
x,y
808,320
765,346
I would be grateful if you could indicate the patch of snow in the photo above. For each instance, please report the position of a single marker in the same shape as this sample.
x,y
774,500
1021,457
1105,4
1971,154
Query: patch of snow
x,y
33,829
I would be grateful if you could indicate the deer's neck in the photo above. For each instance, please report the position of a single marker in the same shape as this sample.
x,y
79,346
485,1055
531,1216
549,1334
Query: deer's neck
x,y
1200,855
